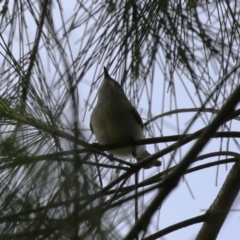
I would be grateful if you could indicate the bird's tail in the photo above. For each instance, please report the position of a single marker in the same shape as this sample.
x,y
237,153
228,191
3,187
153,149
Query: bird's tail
x,y
155,163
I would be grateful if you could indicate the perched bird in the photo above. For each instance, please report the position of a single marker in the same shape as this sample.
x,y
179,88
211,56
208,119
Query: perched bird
x,y
114,120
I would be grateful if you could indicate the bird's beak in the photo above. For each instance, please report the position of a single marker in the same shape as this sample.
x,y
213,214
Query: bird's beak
x,y
106,74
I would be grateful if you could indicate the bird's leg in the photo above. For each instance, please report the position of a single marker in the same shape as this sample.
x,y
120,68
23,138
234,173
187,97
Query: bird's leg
x,y
134,151
111,157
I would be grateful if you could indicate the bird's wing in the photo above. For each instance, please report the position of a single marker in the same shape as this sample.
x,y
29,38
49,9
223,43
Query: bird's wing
x,y
137,116
128,105
91,127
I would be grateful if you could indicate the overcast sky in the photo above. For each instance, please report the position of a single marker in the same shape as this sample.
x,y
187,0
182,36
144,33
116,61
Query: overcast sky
x,y
204,185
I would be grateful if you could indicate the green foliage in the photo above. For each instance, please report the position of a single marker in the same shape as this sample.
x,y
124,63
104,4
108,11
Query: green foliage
x,y
54,184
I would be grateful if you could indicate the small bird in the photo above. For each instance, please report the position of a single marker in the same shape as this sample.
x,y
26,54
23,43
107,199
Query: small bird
x,y
114,120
